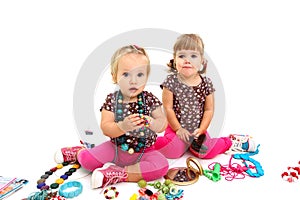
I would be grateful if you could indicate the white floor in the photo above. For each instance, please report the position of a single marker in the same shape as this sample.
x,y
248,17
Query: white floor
x,y
255,46
270,184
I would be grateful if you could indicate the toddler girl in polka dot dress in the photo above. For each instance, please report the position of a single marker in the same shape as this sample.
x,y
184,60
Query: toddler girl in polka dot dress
x,y
188,102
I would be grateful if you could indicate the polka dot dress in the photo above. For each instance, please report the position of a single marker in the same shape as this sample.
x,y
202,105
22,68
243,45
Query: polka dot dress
x,y
188,101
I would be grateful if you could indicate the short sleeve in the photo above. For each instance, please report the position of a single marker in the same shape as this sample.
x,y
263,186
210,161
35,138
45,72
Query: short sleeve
x,y
209,88
169,83
109,103
152,101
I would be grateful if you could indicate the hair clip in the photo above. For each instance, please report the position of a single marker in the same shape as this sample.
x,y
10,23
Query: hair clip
x,y
135,47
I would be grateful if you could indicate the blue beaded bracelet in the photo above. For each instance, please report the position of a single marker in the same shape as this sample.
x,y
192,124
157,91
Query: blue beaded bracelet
x,y
70,189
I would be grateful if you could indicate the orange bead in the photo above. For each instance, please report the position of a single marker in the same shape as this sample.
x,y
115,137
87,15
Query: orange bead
x,y
76,166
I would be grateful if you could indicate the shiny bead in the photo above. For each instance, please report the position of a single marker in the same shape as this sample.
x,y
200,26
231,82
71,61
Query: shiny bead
x,y
53,169
72,170
65,163
59,166
45,187
59,181
65,177
76,166
42,180
68,173
49,172
54,185
131,151
39,186
45,176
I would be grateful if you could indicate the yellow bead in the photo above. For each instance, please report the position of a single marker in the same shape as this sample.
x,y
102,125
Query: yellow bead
x,y
59,166
131,151
59,181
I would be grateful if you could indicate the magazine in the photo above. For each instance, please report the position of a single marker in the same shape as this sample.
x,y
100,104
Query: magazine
x,y
9,185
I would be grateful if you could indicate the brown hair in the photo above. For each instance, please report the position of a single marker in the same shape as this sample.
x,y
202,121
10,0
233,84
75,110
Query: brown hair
x,y
188,42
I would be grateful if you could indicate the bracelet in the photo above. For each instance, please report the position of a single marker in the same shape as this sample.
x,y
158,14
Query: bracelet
x,y
74,192
111,196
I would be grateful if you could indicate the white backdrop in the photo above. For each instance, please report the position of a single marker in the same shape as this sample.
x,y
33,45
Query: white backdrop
x,y
253,44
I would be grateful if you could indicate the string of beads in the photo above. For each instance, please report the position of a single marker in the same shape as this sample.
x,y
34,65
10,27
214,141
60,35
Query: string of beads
x,y
41,183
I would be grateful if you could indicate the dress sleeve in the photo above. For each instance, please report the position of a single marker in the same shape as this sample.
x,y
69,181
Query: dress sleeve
x,y
169,83
152,101
109,103
209,88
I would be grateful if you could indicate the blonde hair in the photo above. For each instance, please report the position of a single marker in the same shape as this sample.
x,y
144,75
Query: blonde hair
x,y
122,52
188,42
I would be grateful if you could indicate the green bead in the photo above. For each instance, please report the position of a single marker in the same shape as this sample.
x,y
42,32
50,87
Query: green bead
x,y
142,183
54,185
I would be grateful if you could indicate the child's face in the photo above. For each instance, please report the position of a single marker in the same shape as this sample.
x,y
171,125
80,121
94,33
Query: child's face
x,y
188,62
132,74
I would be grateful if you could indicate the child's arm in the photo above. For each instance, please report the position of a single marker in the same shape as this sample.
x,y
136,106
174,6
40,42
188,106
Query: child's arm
x,y
158,121
112,129
207,115
167,99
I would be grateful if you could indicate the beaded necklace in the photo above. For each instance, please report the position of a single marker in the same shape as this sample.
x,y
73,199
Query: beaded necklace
x,y
41,183
127,144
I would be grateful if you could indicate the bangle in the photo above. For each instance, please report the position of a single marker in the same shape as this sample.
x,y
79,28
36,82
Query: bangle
x,y
64,190
111,196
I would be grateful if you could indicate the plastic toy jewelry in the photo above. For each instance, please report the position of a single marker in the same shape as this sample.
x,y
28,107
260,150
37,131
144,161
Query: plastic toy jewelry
x,y
74,186
214,174
111,193
292,175
41,183
246,157
126,144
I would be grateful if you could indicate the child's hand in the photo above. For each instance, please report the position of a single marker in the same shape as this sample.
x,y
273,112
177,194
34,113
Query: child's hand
x,y
183,134
131,122
198,132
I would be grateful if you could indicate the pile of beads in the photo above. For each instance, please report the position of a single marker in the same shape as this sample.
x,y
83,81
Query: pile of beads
x,y
41,183
166,190
182,175
292,174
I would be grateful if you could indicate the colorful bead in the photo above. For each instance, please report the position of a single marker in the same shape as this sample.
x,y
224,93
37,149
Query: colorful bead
x,y
131,151
59,181
41,183
130,145
59,166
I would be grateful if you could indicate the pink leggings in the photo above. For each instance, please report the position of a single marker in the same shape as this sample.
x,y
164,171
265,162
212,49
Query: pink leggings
x,y
173,147
153,165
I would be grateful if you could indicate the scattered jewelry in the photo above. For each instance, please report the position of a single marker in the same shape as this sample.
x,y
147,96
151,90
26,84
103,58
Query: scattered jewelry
x,y
292,175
